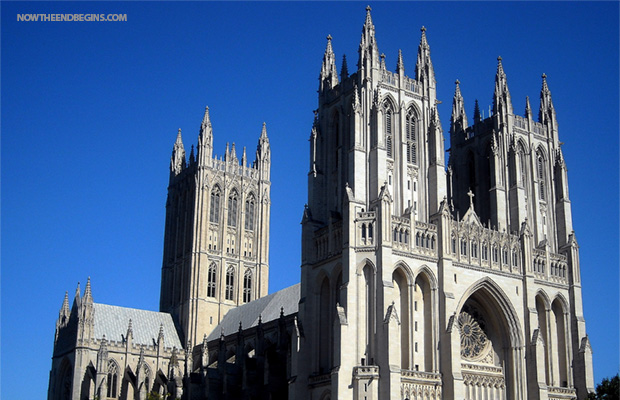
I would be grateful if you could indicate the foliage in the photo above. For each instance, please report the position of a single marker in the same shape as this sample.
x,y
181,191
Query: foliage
x,y
608,389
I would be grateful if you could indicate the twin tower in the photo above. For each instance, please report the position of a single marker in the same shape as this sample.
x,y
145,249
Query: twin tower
x,y
419,278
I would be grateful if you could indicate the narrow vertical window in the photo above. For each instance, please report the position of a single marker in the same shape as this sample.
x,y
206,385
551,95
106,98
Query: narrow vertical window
x,y
211,280
388,133
411,138
247,286
249,213
230,282
232,209
112,379
214,211
541,177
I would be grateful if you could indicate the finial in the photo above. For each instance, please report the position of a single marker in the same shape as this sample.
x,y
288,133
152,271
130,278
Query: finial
x,y
329,38
499,58
400,64
457,82
368,8
423,29
240,327
281,311
544,76
471,198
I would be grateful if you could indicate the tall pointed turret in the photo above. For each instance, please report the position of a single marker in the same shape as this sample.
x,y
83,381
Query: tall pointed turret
x,y
368,50
477,117
546,113
205,140
263,153
400,66
329,75
344,70
501,97
177,161
458,121
424,71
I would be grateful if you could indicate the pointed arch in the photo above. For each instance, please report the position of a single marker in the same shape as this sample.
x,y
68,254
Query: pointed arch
x,y
402,297
112,378
250,206
212,280
64,383
233,199
543,306
214,208
247,286
500,323
411,135
389,111
424,356
366,309
230,283
559,332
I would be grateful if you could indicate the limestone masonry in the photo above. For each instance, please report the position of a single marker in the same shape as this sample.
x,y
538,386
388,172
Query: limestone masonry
x,y
420,279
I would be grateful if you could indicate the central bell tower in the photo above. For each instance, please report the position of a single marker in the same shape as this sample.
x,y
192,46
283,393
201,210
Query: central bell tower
x,y
216,239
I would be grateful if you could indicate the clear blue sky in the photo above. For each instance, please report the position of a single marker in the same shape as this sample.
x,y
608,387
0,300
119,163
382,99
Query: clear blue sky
x,y
90,111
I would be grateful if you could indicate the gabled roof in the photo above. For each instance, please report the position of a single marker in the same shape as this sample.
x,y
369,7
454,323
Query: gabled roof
x,y
267,308
112,321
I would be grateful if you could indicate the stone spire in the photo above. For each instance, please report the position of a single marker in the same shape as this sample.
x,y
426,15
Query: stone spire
x,y
528,108
177,161
329,75
477,117
501,96
88,295
205,139
368,50
424,67
263,154
400,66
546,113
458,121
65,311
77,299
344,71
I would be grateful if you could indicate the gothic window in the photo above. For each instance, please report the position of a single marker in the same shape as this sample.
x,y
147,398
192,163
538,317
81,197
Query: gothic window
x,y
364,232
370,231
541,176
453,245
495,254
247,286
232,209
463,247
388,133
411,138
211,280
112,379
214,212
505,256
249,213
230,282
474,250
485,254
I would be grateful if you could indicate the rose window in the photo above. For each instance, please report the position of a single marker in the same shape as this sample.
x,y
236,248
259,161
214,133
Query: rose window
x,y
474,341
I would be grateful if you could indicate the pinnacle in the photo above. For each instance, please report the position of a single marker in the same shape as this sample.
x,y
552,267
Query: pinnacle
x,y
206,119
400,64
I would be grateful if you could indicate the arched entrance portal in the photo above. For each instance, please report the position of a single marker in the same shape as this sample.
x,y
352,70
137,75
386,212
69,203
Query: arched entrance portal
x,y
491,342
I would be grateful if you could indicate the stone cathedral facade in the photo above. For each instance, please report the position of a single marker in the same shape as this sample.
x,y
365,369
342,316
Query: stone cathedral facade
x,y
421,278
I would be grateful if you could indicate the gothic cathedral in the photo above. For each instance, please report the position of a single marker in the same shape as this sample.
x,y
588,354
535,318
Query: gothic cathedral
x,y
420,278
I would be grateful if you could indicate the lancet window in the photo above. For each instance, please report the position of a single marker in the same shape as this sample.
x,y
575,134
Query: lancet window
x,y
410,128
389,131
214,211
541,176
249,213
247,286
230,283
112,379
211,280
232,209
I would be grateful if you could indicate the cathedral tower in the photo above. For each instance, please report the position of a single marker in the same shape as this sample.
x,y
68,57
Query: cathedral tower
x,y
377,175
421,281
216,240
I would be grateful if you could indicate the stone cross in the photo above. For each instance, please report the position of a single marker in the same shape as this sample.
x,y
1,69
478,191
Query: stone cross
x,y
471,198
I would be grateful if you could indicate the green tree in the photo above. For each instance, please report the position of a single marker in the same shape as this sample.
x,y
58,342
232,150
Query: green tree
x,y
608,389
